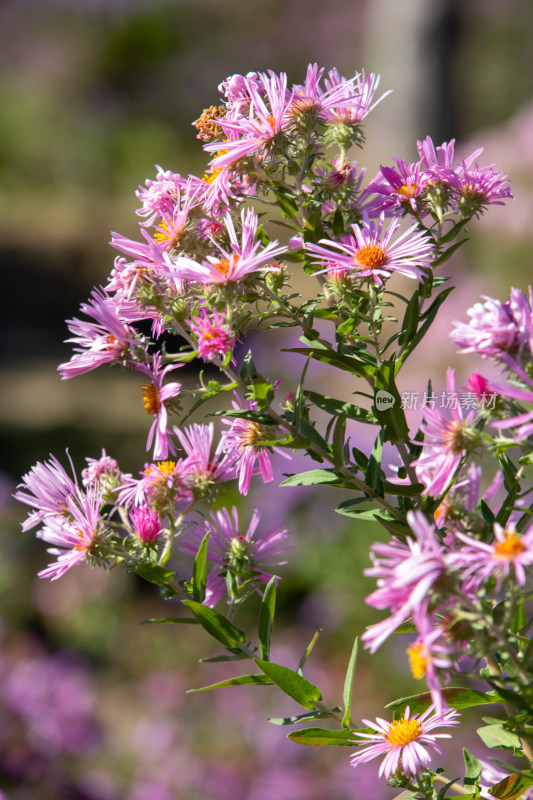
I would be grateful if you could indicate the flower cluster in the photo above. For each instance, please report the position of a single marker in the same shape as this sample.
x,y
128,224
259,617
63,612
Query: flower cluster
x,y
204,274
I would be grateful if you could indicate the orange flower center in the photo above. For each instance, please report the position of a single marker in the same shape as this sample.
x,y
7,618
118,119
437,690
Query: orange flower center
x,y
402,732
251,435
511,546
407,190
370,255
417,660
151,399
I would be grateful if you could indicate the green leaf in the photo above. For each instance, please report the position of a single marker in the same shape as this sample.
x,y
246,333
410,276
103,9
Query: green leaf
x,y
497,736
373,472
314,477
308,650
410,320
388,404
472,767
318,737
214,623
241,680
199,572
348,684
266,617
511,787
169,620
286,200
337,407
403,489
428,317
342,362
155,573
457,697
291,683
311,715
338,441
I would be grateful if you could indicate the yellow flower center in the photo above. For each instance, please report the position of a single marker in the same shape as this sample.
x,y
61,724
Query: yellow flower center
x,y
166,467
169,235
407,190
417,660
402,732
151,399
251,435
370,255
511,546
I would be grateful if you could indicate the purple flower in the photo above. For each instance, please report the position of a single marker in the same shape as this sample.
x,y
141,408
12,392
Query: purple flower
x,y
246,256
494,327
75,536
109,340
147,524
404,742
48,486
446,442
369,252
405,573
242,555
158,398
508,555
202,469
428,655
214,337
243,442
255,134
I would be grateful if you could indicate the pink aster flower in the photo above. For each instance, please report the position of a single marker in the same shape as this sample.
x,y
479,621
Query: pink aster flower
x,y
255,134
429,655
100,471
370,252
108,340
146,524
159,196
509,555
243,442
246,256
158,398
160,483
350,107
46,488
203,469
214,337
404,742
405,572
494,327
246,556
473,187
446,441
74,537
400,188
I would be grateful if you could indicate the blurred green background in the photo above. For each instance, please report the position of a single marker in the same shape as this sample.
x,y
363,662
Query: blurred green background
x,y
93,95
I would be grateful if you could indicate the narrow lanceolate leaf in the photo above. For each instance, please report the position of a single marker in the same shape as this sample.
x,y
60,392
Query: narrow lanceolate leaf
x,y
291,683
266,617
511,787
180,620
318,737
317,476
312,715
199,573
338,441
348,684
217,625
240,680
456,697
